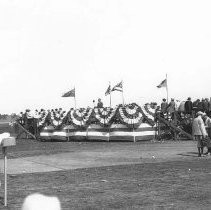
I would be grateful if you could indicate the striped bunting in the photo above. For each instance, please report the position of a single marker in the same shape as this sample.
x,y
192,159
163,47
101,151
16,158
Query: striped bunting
x,y
97,132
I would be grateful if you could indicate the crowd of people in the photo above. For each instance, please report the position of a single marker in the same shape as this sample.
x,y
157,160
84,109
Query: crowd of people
x,y
200,113
186,107
31,120
201,130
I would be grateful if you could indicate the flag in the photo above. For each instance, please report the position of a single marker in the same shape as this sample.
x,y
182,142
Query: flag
x,y
163,84
108,91
118,87
70,93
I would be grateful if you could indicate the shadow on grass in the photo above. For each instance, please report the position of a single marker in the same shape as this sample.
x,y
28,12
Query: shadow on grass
x,y
189,154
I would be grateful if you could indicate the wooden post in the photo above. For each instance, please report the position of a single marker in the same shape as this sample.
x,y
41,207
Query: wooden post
x,y
134,136
4,149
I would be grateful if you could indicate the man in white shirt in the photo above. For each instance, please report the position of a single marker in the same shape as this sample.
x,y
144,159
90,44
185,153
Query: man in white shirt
x,y
199,131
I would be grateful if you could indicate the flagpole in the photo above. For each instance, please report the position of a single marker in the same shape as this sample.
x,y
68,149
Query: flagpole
x,y
167,89
123,101
75,99
110,93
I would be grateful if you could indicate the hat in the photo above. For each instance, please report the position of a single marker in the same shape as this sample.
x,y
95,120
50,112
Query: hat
x,y
200,113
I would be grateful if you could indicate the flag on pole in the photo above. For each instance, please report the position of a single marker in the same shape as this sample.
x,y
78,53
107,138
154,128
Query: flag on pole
x,y
70,93
118,87
108,91
163,84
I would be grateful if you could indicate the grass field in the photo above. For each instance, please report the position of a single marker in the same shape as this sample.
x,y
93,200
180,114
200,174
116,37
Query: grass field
x,y
175,179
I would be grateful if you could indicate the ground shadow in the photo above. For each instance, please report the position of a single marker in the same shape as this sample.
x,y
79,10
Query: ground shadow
x,y
189,154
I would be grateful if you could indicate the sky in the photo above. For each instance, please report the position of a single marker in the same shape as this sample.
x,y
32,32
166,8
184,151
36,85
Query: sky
x,y
47,47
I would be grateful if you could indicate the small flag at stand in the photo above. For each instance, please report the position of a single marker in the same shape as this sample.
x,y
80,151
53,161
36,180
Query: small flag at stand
x,y
70,93
118,87
163,84
108,91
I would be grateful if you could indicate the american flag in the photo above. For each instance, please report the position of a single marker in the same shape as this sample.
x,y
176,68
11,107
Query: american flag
x,y
70,93
108,91
118,87
163,84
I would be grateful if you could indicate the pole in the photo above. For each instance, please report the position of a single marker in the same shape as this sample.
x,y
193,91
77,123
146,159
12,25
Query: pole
x,y
167,89
74,99
123,101
110,93
110,99
75,102
5,175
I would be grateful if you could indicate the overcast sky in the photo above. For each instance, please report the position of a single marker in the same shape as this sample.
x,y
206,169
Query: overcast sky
x,y
49,46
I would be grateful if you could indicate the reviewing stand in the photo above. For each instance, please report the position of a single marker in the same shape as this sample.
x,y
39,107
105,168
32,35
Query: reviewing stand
x,y
6,142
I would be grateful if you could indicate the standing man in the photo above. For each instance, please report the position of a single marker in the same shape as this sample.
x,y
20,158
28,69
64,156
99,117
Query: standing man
x,y
99,103
188,106
171,108
163,107
196,105
206,105
201,106
199,131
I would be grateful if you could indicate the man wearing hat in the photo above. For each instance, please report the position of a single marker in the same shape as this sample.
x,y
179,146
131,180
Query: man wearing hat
x,y
188,106
199,131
